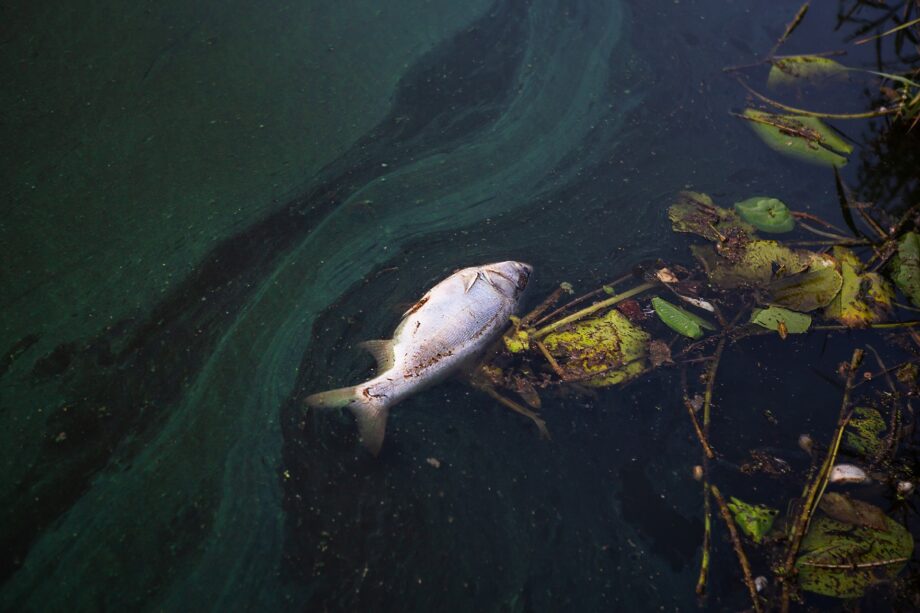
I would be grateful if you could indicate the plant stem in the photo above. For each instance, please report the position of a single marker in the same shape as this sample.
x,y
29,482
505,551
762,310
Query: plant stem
x,y
739,550
603,304
552,361
815,489
707,507
790,28
807,113
891,442
888,326
582,298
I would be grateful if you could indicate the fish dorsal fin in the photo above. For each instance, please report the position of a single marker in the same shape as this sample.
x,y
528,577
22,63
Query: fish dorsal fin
x,y
469,279
382,350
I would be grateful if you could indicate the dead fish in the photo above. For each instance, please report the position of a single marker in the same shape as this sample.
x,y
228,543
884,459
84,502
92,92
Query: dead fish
x,y
445,330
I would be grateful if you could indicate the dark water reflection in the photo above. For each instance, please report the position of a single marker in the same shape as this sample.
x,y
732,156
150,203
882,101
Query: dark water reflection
x,y
155,451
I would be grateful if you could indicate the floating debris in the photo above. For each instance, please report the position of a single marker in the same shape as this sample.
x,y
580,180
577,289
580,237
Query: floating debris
x,y
847,473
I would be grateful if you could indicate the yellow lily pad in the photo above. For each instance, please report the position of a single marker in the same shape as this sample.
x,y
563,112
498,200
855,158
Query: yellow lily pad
x,y
611,346
761,262
793,69
865,297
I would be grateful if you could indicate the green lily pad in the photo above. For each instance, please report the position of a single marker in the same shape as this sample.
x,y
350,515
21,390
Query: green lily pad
x,y
754,520
696,213
865,297
905,266
611,346
679,320
806,138
812,289
842,560
770,318
863,432
766,214
761,262
792,69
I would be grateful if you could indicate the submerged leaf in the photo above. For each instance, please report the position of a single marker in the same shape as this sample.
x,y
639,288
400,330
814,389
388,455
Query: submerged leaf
x,y
771,318
695,213
611,346
766,214
679,320
864,298
807,138
862,432
842,560
905,266
789,70
851,511
754,520
809,290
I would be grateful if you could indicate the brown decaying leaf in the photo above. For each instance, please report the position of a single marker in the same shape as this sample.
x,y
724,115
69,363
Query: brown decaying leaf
x,y
851,511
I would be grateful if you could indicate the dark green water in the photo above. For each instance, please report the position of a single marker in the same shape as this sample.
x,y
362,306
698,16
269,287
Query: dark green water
x,y
206,205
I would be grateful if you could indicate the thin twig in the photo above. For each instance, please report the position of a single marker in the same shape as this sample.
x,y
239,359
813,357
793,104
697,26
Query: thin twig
x,y
790,28
517,408
891,442
707,449
884,326
542,307
603,304
552,361
837,237
580,299
807,113
856,566
707,508
891,31
739,550
815,489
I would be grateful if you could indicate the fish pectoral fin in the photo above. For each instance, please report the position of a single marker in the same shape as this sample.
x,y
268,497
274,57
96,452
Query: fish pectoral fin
x,y
382,350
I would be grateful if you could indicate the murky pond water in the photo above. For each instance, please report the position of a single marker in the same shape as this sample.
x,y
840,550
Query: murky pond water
x,y
206,207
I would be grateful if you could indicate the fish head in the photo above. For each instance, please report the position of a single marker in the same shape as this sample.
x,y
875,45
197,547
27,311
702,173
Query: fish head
x,y
509,278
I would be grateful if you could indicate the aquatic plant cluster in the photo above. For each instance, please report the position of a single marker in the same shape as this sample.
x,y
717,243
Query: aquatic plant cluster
x,y
745,281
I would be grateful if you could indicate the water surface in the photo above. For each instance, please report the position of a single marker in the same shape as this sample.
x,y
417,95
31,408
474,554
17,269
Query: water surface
x,y
208,206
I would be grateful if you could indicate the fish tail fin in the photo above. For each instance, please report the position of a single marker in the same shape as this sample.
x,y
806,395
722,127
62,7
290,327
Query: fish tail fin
x,y
372,424
371,414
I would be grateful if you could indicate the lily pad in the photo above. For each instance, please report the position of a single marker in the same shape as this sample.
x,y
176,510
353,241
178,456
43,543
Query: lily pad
x,y
766,214
611,346
806,138
679,320
905,266
864,298
793,69
809,290
754,520
761,262
862,434
771,318
842,560
696,213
